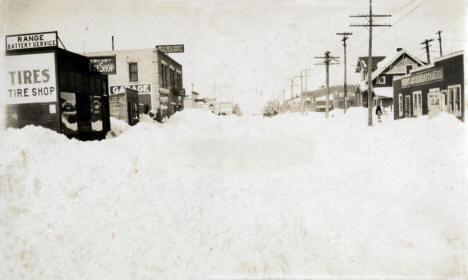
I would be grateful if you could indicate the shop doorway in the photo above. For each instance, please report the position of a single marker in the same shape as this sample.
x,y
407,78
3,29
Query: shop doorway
x,y
417,103
434,102
407,107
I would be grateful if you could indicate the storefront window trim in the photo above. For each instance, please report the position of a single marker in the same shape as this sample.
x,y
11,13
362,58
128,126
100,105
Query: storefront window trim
x,y
400,104
456,95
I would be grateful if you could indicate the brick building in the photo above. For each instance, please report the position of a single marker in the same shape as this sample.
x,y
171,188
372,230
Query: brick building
x,y
156,76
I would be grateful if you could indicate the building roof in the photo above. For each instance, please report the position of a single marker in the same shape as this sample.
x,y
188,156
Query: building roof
x,y
383,91
323,91
427,66
362,62
389,61
324,98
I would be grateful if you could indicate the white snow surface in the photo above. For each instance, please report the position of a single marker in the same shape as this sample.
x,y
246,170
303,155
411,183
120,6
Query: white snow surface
x,y
223,197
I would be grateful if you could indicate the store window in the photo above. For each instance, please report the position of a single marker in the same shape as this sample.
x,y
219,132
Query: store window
x,y
400,105
172,77
133,71
443,101
455,100
95,103
68,109
417,103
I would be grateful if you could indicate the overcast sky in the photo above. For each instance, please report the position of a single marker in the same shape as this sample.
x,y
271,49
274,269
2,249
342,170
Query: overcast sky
x,y
244,46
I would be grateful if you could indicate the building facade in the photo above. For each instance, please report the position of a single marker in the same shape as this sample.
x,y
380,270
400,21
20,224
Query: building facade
x,y
54,88
382,77
431,89
156,76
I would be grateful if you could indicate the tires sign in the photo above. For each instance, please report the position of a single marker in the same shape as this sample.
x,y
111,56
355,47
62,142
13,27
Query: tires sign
x,y
30,78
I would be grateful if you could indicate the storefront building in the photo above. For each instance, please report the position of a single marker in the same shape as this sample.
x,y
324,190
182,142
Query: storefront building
x,y
156,76
53,88
431,89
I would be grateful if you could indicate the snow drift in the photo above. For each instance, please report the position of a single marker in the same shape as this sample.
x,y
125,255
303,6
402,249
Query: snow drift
x,y
203,196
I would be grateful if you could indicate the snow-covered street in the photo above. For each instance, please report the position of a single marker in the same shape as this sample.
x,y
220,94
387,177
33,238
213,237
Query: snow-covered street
x,y
203,196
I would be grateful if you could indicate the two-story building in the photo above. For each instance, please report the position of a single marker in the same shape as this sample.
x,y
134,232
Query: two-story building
x,y
156,76
382,77
431,89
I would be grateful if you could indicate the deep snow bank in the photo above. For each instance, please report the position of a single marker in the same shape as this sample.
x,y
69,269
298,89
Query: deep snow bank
x,y
219,196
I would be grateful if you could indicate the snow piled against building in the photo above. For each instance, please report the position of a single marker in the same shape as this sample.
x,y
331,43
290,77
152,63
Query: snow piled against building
x,y
203,196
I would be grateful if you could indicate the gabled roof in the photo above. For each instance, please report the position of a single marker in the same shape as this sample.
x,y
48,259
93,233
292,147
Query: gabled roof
x,y
362,62
390,61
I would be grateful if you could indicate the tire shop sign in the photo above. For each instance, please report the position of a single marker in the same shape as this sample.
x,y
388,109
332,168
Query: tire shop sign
x,y
141,88
102,64
30,78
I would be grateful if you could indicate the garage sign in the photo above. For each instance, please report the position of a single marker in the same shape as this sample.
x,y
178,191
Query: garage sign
x,y
141,88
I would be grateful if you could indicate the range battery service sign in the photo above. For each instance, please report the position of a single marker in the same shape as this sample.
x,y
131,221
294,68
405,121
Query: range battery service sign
x,y
31,41
30,78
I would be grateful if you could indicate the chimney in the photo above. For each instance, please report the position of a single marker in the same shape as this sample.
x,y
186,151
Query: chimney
x,y
399,49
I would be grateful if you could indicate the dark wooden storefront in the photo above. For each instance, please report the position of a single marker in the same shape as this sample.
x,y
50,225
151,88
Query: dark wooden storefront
x,y
76,102
440,86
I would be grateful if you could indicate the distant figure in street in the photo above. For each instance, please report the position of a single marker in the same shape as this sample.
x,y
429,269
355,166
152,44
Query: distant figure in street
x,y
378,112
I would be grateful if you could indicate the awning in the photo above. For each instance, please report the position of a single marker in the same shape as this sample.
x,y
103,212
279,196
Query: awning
x,y
385,92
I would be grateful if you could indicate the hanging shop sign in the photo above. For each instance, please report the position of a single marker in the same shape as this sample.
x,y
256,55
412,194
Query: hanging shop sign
x,y
30,78
31,41
171,48
103,64
141,88
432,75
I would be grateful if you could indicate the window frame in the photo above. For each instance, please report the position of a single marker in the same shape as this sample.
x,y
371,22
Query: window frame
x,y
130,71
406,68
400,105
416,102
380,82
455,111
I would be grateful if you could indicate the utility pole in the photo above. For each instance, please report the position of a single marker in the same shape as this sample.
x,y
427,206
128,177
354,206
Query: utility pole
x,y
306,75
214,90
283,92
327,61
370,24
440,41
292,89
426,42
345,37
112,42
302,94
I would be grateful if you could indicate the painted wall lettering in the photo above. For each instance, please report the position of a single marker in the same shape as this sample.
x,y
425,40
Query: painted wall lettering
x,y
30,78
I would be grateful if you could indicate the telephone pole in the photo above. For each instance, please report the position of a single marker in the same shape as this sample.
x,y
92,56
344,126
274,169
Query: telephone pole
x,y
327,62
345,37
440,41
292,88
306,75
370,24
426,42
